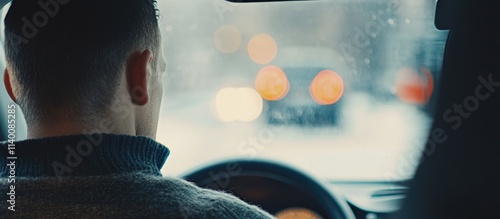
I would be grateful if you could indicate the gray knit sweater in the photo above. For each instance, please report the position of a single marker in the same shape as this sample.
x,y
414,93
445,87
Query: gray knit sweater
x,y
104,176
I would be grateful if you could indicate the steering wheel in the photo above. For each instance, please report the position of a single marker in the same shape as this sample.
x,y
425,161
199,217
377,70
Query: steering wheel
x,y
225,175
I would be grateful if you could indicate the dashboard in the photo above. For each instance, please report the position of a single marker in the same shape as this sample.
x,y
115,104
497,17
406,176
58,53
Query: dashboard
x,y
289,193
279,198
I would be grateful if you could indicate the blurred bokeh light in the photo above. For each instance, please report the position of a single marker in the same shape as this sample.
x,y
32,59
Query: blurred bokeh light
x,y
227,39
327,87
238,104
272,83
262,49
413,87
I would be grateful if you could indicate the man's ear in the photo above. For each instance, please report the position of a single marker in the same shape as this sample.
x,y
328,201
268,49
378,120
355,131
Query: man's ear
x,y
138,69
8,85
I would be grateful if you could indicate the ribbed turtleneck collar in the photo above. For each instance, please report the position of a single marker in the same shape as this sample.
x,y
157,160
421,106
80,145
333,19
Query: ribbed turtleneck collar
x,y
84,155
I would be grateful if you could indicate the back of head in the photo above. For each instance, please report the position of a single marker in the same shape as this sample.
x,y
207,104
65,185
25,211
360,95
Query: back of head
x,y
67,56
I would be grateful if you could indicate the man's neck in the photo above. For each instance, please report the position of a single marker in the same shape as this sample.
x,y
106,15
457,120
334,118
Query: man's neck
x,y
106,126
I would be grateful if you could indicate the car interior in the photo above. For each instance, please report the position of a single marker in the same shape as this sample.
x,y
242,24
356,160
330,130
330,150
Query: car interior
x,y
333,108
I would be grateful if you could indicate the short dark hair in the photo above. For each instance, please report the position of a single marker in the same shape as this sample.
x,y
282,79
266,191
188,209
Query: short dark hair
x,y
67,55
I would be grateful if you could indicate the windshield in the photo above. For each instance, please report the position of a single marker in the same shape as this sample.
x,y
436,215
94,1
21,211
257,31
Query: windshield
x,y
341,89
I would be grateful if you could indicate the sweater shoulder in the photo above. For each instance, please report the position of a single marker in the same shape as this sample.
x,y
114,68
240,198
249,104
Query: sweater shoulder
x,y
196,202
124,196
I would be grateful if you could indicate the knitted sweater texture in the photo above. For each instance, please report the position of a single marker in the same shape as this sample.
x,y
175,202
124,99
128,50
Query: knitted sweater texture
x,y
104,176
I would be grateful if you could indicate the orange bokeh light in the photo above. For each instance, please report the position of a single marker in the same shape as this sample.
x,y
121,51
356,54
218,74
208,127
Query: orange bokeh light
x,y
414,88
271,83
327,87
262,49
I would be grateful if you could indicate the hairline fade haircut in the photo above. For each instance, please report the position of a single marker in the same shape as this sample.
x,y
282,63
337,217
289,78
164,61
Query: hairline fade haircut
x,y
68,55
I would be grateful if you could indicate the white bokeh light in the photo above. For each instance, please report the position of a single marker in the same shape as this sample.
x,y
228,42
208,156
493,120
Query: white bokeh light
x,y
238,104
